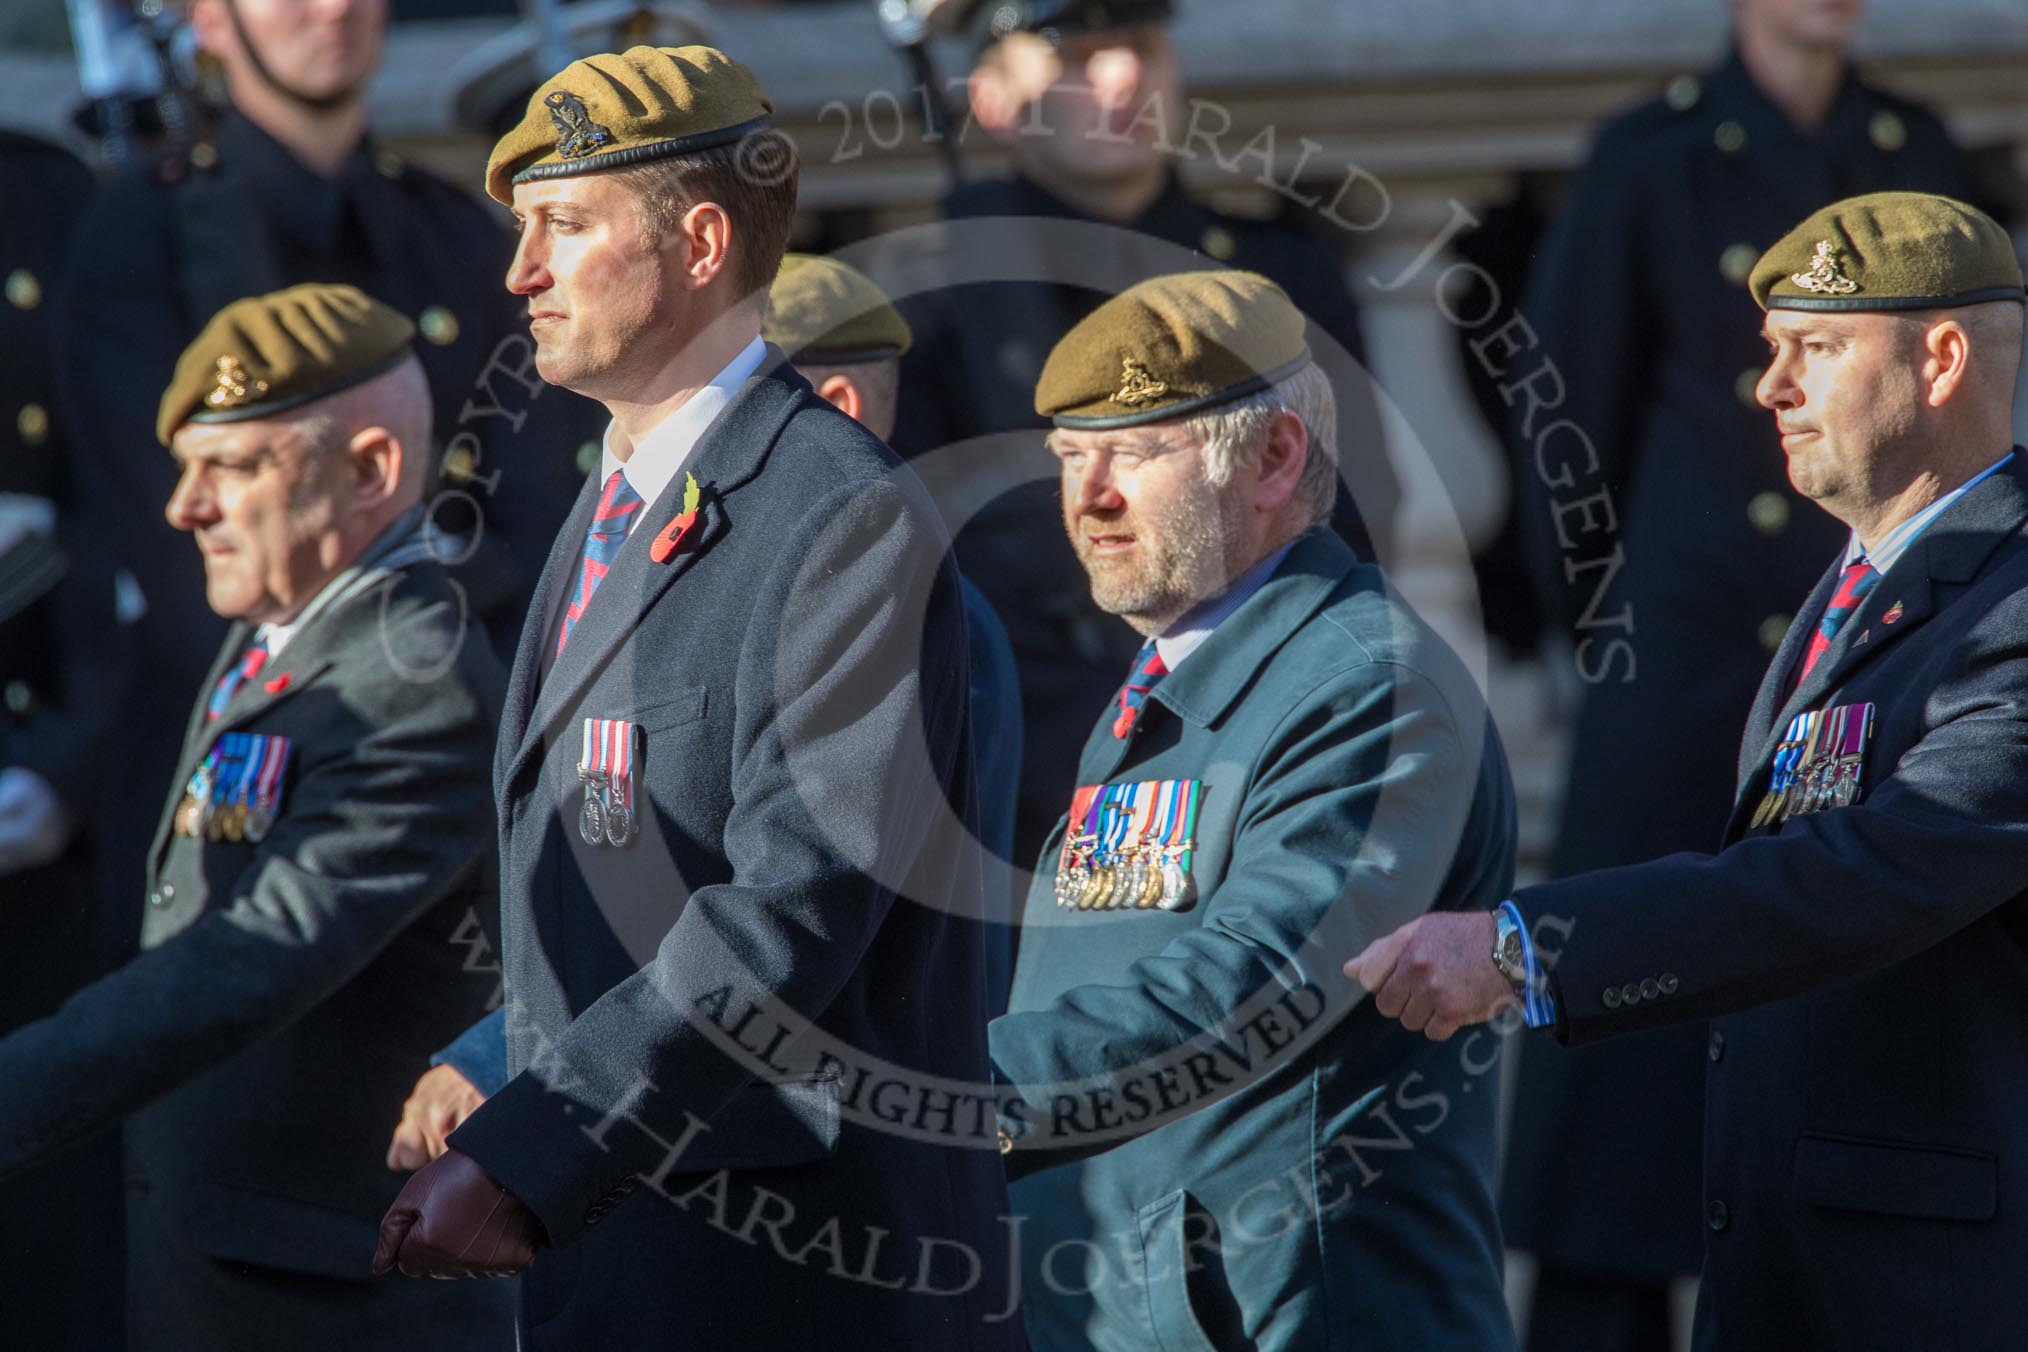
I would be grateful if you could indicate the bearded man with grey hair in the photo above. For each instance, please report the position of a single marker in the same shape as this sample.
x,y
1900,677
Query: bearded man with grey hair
x,y
1211,1146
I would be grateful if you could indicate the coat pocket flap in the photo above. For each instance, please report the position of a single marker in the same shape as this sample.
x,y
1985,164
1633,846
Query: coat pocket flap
x,y
1891,1179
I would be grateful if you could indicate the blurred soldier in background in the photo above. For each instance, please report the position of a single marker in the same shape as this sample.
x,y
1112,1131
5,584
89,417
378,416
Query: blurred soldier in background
x,y
49,943
288,187
1076,93
1671,546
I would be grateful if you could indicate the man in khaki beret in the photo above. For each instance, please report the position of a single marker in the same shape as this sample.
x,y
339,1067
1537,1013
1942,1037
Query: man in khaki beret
x,y
1857,938
735,801
1293,764
322,843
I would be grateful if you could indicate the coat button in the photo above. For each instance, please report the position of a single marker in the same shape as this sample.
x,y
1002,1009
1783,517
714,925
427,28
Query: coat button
x,y
1887,130
24,291
1736,264
1670,985
1630,994
1772,631
438,325
1718,1216
33,424
1769,513
1651,989
1746,386
1730,138
1714,1050
1683,93
1611,998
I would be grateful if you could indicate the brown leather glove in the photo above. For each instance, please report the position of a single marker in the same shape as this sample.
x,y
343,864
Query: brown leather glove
x,y
452,1220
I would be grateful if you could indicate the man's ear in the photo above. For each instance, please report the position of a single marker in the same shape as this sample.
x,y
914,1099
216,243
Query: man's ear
x,y
374,460
843,394
704,237
211,28
1950,361
1280,467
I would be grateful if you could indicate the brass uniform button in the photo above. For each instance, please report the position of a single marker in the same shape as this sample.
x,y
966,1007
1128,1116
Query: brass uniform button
x,y
1888,131
388,163
1769,513
20,698
438,325
588,457
33,424
459,465
1773,630
1736,263
24,292
1006,1143
1683,92
1730,138
1219,243
203,156
1747,387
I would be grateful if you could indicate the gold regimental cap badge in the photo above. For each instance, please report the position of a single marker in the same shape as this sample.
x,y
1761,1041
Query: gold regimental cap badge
x,y
1823,278
1137,387
234,387
576,134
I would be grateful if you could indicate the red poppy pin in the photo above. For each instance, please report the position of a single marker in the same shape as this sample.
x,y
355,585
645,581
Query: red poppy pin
x,y
1893,614
671,539
277,685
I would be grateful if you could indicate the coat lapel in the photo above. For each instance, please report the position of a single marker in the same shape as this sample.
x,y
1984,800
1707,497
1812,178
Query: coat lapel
x,y
731,452
538,631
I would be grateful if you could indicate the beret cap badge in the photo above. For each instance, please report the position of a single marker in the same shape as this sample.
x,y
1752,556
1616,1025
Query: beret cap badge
x,y
1137,386
1824,278
233,386
576,134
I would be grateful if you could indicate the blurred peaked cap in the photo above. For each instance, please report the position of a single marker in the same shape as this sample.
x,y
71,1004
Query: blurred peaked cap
x,y
265,355
610,111
828,313
1173,346
1890,251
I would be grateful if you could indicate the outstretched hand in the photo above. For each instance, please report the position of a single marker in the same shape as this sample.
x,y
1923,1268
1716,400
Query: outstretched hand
x,y
1436,973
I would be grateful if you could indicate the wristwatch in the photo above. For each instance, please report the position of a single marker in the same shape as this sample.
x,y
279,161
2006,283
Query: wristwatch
x,y
1507,952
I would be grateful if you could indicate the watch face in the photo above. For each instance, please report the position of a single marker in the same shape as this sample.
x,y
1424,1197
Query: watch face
x,y
1507,953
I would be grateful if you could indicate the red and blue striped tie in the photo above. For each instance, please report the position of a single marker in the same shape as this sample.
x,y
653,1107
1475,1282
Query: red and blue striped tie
x,y
1858,579
619,507
1149,669
235,677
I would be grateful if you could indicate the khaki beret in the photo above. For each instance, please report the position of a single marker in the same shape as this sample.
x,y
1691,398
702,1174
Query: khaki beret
x,y
1172,346
1889,251
830,314
268,354
610,111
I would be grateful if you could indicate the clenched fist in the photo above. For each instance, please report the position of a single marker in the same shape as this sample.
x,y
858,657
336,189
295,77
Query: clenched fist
x,y
1436,973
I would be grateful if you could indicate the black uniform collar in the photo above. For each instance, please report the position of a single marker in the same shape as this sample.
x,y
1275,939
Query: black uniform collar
x,y
1736,96
301,203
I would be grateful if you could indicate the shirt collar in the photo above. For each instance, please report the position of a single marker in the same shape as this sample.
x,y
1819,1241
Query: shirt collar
x,y
660,455
1896,542
1188,633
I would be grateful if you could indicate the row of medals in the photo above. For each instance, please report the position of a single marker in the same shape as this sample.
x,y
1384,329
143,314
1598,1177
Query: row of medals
x,y
1150,876
198,816
602,821
1829,781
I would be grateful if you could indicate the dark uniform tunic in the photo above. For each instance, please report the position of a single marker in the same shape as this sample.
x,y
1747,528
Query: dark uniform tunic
x,y
158,256
978,351
1640,298
50,941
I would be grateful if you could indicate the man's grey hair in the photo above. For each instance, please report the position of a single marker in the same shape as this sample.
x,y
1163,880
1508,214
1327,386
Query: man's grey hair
x,y
1234,435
